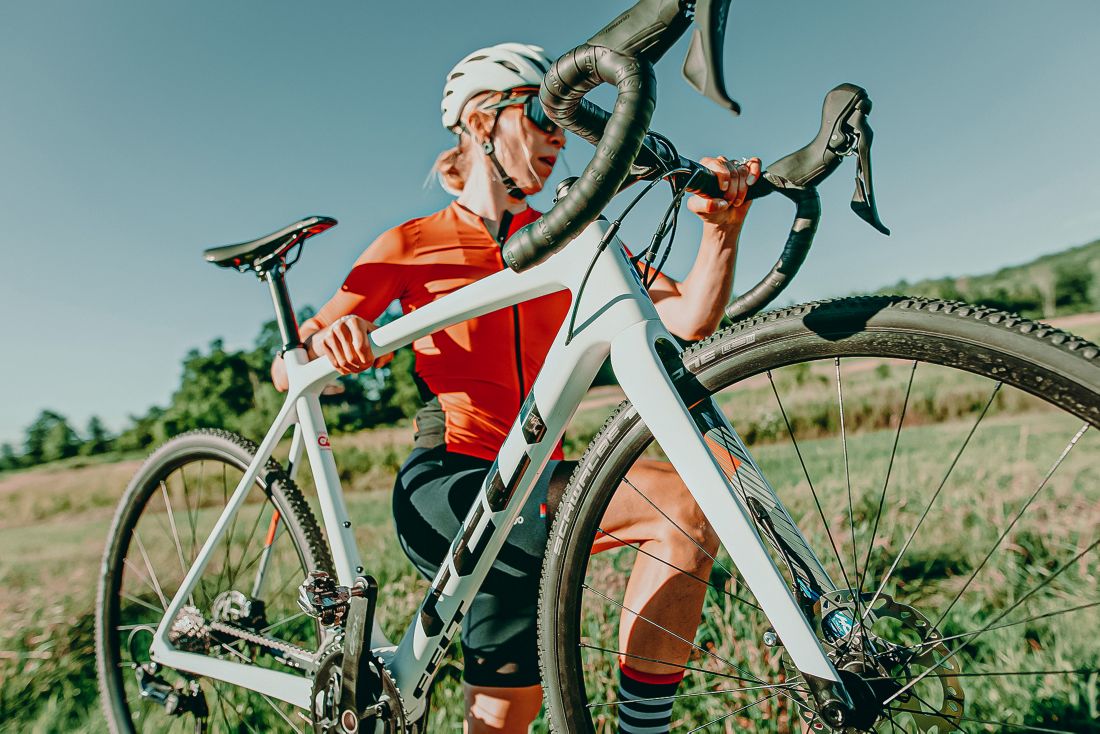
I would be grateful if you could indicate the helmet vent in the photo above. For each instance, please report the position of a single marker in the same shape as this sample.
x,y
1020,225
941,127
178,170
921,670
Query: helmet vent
x,y
482,57
509,66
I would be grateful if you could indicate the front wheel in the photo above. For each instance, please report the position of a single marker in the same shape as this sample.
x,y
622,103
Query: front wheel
x,y
243,608
940,459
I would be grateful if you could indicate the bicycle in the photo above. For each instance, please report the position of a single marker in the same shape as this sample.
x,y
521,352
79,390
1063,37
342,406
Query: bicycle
x,y
844,647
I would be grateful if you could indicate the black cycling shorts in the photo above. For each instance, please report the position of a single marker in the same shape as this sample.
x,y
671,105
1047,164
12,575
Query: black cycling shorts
x,y
433,492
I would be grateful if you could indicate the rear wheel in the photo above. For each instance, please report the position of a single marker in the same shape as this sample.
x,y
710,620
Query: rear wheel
x,y
939,458
243,609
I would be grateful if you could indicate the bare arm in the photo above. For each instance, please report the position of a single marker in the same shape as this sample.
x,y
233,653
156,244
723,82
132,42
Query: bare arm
x,y
692,309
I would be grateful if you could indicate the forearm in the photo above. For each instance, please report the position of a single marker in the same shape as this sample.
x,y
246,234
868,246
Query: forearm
x,y
696,310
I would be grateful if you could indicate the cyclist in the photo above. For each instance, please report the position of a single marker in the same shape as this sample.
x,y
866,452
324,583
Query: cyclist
x,y
474,376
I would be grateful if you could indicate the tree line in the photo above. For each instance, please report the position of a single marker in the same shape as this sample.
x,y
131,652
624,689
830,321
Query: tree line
x,y
221,388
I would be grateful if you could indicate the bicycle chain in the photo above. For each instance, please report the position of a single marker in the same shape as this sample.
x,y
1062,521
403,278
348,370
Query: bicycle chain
x,y
259,639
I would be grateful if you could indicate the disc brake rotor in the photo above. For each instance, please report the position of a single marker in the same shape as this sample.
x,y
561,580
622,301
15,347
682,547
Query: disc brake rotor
x,y
878,660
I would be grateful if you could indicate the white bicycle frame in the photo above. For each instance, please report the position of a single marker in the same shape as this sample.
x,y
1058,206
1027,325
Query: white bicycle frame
x,y
616,316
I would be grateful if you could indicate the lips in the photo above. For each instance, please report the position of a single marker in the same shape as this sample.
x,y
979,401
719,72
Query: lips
x,y
548,160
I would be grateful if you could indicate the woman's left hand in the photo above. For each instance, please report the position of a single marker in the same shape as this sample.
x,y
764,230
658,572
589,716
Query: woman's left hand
x,y
734,177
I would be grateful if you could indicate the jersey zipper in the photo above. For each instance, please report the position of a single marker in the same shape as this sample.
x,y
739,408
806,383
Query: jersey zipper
x,y
502,237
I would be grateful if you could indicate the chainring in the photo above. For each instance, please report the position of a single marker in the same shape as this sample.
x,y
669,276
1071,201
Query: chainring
x,y
330,718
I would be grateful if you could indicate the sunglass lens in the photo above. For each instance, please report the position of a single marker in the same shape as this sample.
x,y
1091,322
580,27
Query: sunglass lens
x,y
536,114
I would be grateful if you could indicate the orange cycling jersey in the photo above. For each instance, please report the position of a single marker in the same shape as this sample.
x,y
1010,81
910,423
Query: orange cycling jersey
x,y
475,374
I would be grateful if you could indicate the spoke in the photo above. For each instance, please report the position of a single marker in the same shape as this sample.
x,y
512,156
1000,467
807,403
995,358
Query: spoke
x,y
1022,727
248,539
281,622
1085,672
696,694
280,713
1065,452
175,537
192,515
723,717
693,669
806,472
149,567
992,622
851,508
639,549
691,644
1044,615
893,724
652,504
137,572
141,602
935,495
886,482
226,573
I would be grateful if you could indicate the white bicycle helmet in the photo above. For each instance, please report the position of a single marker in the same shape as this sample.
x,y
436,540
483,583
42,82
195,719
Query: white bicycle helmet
x,y
497,68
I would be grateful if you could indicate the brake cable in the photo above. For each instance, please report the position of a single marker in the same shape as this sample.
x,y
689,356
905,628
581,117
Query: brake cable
x,y
609,235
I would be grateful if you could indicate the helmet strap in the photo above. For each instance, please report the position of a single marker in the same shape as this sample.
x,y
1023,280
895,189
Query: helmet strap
x,y
490,150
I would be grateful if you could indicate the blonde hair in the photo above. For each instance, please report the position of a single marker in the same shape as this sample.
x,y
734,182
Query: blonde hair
x,y
452,166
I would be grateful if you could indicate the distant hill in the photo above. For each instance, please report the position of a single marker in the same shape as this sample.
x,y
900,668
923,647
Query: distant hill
x,y
1059,284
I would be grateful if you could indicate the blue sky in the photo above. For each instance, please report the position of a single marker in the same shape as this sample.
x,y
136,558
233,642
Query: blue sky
x,y
134,134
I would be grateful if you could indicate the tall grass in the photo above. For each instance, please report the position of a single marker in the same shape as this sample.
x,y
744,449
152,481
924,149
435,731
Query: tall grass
x,y
53,523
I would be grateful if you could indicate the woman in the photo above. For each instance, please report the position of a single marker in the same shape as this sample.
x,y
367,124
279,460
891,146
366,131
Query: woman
x,y
475,375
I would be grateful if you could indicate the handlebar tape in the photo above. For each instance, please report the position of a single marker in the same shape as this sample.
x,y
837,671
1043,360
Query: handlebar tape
x,y
618,138
807,217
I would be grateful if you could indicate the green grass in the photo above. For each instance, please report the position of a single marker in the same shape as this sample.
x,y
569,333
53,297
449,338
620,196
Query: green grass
x,y
53,522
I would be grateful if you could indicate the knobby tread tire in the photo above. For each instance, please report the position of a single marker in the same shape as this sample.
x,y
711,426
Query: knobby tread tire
x,y
201,443
1050,363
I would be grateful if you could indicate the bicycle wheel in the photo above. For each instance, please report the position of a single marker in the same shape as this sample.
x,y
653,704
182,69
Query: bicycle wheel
x,y
939,457
244,606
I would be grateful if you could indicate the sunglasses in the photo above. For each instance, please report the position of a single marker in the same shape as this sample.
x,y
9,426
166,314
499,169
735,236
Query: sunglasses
x,y
532,110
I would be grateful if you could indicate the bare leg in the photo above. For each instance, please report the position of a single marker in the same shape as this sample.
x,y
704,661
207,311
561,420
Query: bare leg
x,y
655,590
493,710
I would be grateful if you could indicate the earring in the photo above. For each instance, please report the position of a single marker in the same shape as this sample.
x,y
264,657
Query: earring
x,y
487,146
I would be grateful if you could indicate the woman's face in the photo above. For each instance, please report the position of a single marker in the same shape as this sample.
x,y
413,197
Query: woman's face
x,y
526,152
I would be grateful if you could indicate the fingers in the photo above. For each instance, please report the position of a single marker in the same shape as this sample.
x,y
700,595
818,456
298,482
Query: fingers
x,y
348,346
734,179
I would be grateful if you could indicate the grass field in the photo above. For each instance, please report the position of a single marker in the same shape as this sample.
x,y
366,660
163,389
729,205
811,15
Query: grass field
x,y
53,522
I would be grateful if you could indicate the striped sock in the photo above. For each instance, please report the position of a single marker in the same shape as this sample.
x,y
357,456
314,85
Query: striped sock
x,y
646,701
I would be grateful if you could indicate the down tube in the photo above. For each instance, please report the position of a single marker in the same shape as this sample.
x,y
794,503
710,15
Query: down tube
x,y
642,376
567,374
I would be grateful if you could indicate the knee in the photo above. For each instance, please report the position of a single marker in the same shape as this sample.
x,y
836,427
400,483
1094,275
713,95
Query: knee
x,y
693,536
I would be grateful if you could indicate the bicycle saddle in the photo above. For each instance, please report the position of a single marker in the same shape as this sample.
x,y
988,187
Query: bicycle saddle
x,y
262,253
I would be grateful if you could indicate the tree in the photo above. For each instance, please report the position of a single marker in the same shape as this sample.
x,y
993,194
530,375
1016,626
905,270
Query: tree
x,y
8,458
50,438
98,440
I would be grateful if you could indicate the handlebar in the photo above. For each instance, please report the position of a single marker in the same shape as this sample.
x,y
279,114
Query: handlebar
x,y
623,54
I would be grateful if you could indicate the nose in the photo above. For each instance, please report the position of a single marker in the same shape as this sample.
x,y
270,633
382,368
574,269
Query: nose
x,y
557,138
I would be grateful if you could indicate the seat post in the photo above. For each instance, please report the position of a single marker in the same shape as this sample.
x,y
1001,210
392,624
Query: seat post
x,y
284,312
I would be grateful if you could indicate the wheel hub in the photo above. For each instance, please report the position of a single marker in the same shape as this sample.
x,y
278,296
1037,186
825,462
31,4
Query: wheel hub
x,y
879,662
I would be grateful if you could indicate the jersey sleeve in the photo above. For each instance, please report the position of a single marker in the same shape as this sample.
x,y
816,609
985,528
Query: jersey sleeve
x,y
376,280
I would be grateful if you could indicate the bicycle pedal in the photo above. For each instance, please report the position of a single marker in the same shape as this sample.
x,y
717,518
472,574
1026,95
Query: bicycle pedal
x,y
322,598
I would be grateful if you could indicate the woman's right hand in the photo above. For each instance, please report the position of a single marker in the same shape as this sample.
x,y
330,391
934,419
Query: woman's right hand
x,y
344,342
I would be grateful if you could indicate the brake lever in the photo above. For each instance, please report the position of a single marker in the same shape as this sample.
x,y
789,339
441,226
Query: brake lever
x,y
703,63
863,200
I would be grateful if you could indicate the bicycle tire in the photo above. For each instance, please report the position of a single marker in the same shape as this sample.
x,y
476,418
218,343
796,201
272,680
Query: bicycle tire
x,y
1060,369
204,445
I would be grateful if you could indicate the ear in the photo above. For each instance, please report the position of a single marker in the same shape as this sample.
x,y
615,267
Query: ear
x,y
480,124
